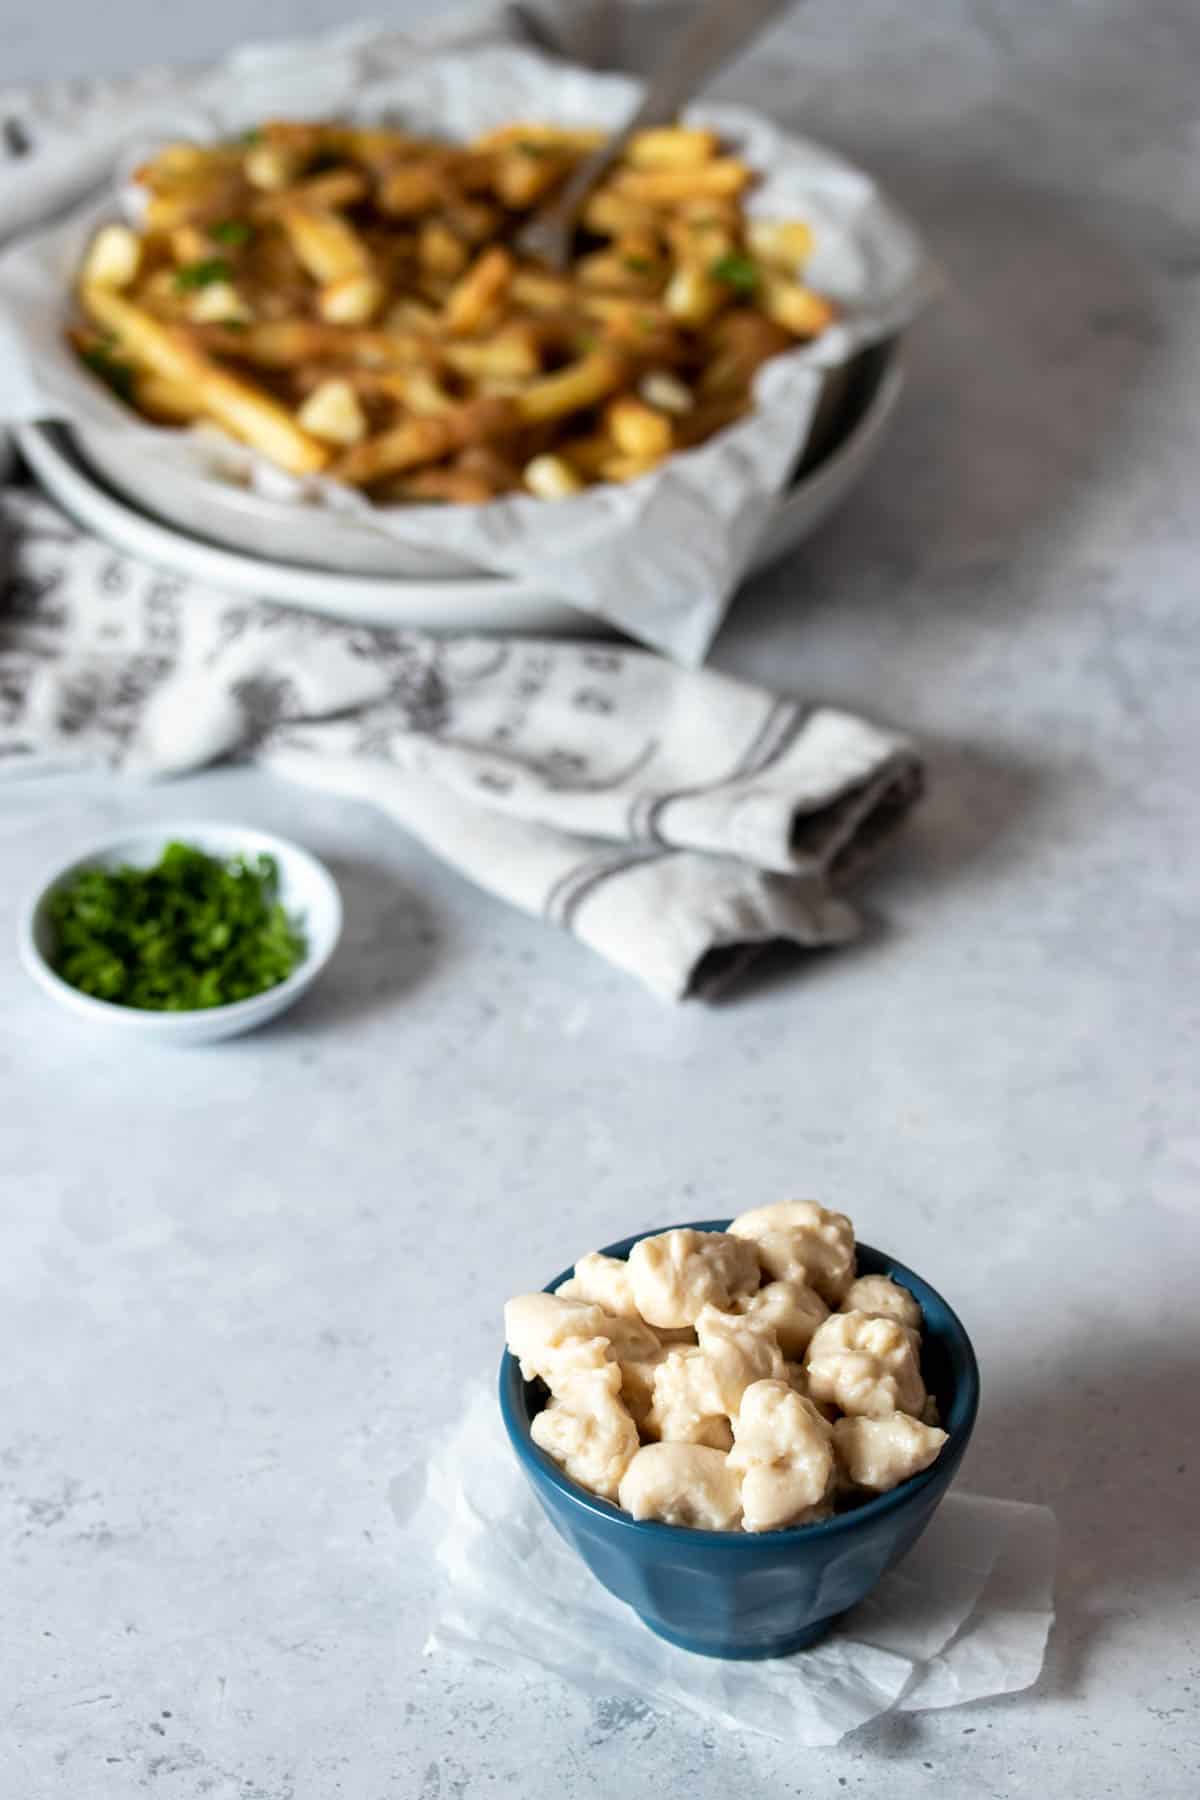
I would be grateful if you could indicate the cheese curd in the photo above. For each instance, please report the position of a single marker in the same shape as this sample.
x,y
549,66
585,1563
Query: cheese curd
x,y
676,1273
588,1432
552,1337
783,1447
604,1281
792,1310
866,1364
879,1454
738,1351
706,1382
683,1484
880,1294
798,1240
686,1403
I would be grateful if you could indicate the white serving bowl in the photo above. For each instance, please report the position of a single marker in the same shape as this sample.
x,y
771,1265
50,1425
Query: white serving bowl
x,y
306,888
855,401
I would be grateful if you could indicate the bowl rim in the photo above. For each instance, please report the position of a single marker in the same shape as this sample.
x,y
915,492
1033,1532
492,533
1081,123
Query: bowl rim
x,y
285,850
959,1425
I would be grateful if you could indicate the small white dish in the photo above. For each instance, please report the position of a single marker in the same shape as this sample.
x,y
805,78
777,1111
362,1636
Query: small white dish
x,y
306,888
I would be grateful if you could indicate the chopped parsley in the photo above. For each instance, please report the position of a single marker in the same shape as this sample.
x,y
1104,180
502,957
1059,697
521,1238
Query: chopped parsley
x,y
202,274
116,374
638,265
736,271
234,232
194,931
253,136
531,147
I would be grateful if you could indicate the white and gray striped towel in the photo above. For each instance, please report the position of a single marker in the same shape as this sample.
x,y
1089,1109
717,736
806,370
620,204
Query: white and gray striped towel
x,y
674,820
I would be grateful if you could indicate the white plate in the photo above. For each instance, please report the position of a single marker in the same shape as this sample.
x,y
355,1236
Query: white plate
x,y
306,888
483,603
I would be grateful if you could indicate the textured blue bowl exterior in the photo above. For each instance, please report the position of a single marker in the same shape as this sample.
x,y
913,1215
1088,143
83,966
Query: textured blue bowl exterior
x,y
742,1594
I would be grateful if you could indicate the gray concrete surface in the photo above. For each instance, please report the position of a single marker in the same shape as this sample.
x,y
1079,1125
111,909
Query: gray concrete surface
x,y
234,1283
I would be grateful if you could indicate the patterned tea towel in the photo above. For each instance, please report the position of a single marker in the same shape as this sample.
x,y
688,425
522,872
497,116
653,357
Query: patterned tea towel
x,y
674,820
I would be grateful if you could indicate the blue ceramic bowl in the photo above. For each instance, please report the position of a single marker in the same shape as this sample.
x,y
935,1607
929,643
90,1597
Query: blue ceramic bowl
x,y
740,1593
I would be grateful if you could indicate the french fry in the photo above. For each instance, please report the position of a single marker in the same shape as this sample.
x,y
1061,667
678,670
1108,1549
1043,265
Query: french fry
x,y
794,306
513,352
327,192
367,273
326,246
671,147
662,187
476,293
584,383
420,440
576,139
441,251
411,189
244,410
610,214
637,429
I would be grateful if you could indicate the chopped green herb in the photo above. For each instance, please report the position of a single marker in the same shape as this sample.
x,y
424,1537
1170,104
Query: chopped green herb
x,y
253,136
586,340
192,932
736,271
638,265
202,274
117,374
531,147
233,232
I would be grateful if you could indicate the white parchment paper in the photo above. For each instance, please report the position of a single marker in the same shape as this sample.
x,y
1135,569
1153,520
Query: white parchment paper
x,y
966,1615
658,557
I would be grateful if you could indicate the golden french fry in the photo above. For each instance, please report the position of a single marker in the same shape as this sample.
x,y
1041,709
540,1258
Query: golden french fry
x,y
620,272
420,440
524,175
584,383
458,487
412,188
578,139
513,352
587,455
671,147
539,291
218,303
441,251
244,410
659,187
327,192
327,247
794,306
637,429
627,468
610,214
167,402
476,293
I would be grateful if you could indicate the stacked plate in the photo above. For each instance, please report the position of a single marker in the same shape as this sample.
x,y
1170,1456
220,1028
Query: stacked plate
x,y
223,536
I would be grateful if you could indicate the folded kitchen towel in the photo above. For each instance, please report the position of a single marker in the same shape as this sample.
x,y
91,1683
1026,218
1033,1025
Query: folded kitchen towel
x,y
676,821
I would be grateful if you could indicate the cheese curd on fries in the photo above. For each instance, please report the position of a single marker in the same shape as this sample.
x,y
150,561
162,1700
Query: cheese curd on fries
x,y
694,1385
346,300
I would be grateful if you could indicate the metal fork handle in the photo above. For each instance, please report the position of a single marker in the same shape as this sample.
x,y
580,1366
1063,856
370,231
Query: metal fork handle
x,y
718,31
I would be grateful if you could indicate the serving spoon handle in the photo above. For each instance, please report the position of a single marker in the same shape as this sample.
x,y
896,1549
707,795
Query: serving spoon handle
x,y
718,31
